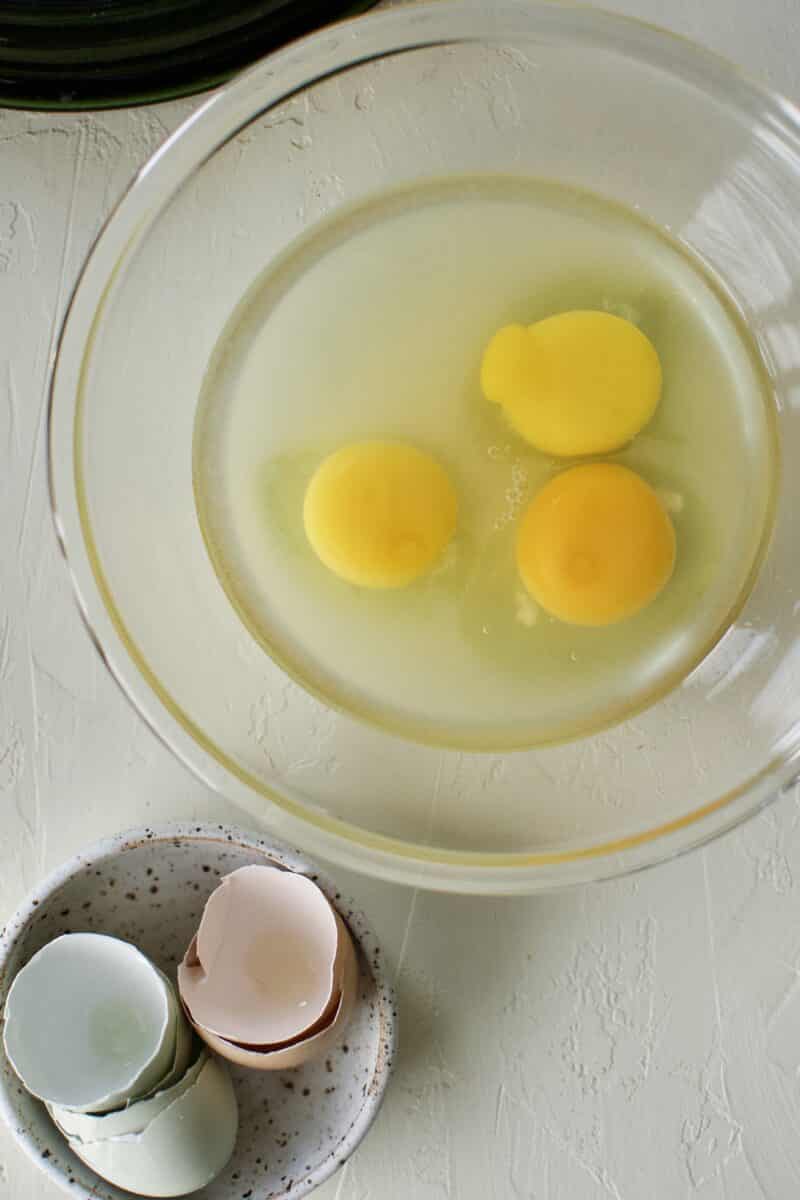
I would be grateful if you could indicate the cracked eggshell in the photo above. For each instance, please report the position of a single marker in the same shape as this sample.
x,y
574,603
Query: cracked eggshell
x,y
89,1023
134,1118
183,1147
284,1058
184,1045
262,969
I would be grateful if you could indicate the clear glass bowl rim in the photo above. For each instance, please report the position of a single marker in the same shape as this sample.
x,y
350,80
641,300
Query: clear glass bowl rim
x,y
257,90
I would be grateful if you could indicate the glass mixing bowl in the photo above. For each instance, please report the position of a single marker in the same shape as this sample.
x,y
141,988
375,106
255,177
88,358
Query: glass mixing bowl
x,y
570,93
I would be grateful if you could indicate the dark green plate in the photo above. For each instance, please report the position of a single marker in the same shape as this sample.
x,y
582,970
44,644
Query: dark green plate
x,y
70,54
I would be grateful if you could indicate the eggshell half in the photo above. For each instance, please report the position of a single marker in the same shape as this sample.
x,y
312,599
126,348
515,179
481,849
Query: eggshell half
x,y
134,1118
294,1055
89,1023
263,971
182,1149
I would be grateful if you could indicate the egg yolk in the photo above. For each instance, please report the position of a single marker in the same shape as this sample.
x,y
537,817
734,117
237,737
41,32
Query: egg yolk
x,y
595,545
379,514
573,384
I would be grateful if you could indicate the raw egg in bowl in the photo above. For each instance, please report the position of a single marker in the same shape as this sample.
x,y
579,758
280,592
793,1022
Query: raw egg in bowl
x,y
457,694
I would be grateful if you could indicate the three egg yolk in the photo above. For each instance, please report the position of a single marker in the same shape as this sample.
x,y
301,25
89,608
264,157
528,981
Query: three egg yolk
x,y
380,514
576,383
595,545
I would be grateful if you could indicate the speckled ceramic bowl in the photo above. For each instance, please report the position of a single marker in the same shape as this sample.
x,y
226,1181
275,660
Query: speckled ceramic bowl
x,y
149,886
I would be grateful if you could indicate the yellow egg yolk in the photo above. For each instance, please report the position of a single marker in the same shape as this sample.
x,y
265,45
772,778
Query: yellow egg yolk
x,y
573,384
595,545
379,514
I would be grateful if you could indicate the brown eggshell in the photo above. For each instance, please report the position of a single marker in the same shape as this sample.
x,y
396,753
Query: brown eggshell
x,y
282,1058
262,968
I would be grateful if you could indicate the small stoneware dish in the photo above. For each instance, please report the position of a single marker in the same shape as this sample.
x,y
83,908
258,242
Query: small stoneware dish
x,y
149,887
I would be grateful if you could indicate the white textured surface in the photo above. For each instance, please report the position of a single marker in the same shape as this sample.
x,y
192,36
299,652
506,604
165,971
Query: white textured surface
x,y
636,1040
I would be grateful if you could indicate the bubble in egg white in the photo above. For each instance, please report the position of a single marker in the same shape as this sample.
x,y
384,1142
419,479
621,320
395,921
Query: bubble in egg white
x,y
673,501
527,611
619,308
447,560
